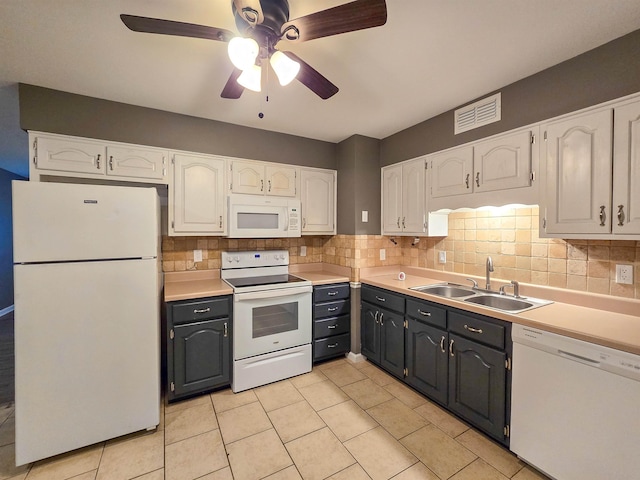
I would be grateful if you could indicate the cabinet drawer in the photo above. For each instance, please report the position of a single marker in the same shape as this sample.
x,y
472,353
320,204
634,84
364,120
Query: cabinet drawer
x,y
383,298
187,311
332,309
327,347
331,326
327,293
483,331
427,312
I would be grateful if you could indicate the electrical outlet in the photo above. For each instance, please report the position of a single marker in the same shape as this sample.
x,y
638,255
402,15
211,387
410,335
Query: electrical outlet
x,y
383,254
303,250
624,274
197,256
442,257
365,216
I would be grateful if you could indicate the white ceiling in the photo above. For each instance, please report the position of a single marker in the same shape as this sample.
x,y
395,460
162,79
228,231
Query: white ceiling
x,y
430,57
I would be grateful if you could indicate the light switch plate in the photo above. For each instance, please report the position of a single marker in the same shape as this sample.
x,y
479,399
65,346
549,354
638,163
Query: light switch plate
x,y
197,256
383,254
303,250
365,216
624,274
442,256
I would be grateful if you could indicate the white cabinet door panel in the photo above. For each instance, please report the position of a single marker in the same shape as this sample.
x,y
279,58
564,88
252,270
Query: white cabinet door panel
x,y
318,191
626,165
413,197
68,155
392,199
136,162
452,171
503,163
247,177
281,180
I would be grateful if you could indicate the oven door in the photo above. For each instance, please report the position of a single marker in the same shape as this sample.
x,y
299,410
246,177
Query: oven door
x,y
271,320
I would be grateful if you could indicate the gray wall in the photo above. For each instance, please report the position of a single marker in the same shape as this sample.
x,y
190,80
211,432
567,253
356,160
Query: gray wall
x,y
54,111
358,185
604,73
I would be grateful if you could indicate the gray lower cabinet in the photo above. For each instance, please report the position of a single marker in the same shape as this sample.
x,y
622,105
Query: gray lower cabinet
x,y
198,346
331,321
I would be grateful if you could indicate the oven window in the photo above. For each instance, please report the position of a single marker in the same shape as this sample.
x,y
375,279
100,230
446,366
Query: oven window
x,y
257,220
274,319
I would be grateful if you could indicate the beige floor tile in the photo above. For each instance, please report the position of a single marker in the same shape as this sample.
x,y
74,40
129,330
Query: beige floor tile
x,y
92,475
330,363
529,473
6,411
366,393
184,404
360,364
226,400
68,464
124,459
310,378
343,374
347,420
381,455
438,451
257,456
295,420
289,473
277,395
195,456
8,467
354,472
8,431
417,471
406,395
444,420
222,474
189,422
495,455
323,394
319,455
398,419
243,421
378,376
479,470
155,475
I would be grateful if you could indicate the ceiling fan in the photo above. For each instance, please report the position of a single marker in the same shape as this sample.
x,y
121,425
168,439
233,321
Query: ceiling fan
x,y
262,25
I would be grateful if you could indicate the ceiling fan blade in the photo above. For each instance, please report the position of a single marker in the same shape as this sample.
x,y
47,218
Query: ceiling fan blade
x,y
233,89
345,18
312,79
250,11
170,27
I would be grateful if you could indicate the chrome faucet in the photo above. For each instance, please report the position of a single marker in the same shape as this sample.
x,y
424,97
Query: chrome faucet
x,y
489,269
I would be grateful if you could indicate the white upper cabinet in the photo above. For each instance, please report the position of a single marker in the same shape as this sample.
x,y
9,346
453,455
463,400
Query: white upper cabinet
x,y
197,199
452,172
503,162
392,199
260,178
61,155
318,201
578,157
626,169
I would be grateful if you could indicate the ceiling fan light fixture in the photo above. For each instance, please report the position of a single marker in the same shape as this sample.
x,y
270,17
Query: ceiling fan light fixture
x,y
285,68
250,78
243,52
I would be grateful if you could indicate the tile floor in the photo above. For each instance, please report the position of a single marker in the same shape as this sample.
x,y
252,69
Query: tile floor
x,y
341,421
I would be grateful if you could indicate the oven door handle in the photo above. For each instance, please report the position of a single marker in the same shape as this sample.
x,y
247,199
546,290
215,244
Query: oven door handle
x,y
280,292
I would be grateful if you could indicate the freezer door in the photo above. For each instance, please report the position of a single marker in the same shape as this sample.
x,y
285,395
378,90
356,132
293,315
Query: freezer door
x,y
63,221
87,354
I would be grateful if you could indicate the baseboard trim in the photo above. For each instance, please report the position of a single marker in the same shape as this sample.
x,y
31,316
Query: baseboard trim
x,y
356,357
6,311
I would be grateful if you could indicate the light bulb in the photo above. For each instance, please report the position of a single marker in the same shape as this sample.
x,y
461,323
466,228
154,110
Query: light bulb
x,y
285,68
243,52
250,78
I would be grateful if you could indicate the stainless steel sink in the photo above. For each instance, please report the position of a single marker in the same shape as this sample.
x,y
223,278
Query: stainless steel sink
x,y
507,304
449,290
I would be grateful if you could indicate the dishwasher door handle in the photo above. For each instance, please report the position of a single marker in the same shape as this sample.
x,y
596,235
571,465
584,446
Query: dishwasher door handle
x,y
579,358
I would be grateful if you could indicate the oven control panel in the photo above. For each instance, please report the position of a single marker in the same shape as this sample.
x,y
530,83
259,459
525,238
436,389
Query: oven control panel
x,y
257,258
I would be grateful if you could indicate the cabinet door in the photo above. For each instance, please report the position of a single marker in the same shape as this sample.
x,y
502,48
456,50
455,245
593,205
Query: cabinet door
x,y
392,342
451,172
196,197
318,195
201,356
137,162
626,170
281,180
578,170
69,155
247,177
391,199
427,360
477,384
413,197
502,163
370,325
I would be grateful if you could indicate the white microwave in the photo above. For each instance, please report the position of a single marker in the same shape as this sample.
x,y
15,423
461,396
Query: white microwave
x,y
255,216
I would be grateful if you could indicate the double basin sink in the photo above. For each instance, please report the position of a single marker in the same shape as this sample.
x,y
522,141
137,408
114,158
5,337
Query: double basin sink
x,y
485,298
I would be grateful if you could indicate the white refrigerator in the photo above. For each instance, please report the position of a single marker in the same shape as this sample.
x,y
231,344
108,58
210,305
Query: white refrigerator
x,y
87,315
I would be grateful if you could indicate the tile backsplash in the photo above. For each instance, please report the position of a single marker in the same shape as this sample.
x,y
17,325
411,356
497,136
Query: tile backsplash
x,y
508,235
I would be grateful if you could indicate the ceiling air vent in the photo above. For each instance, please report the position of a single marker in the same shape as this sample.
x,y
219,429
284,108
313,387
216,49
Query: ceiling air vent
x,y
477,114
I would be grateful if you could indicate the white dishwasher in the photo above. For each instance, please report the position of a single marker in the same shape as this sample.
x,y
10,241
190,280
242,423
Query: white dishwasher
x,y
575,407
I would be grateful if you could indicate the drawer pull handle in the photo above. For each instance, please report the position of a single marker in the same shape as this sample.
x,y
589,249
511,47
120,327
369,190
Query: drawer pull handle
x,y
471,329
98,162
332,309
424,314
332,327
442,345
204,310
380,299
332,294
333,345
451,348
